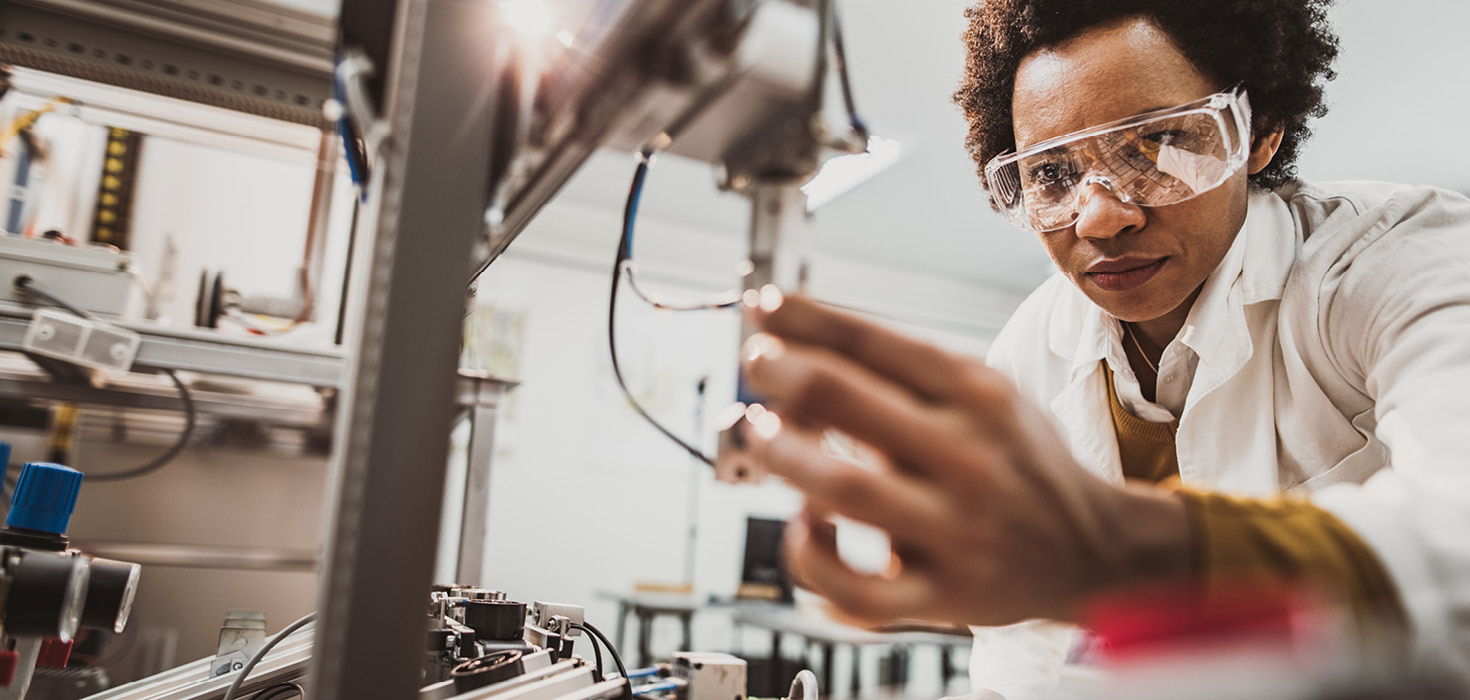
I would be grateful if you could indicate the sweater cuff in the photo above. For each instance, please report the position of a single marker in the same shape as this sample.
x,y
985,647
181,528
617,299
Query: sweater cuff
x,y
1295,542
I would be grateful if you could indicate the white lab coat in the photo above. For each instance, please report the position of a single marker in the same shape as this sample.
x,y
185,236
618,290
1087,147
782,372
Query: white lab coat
x,y
1328,356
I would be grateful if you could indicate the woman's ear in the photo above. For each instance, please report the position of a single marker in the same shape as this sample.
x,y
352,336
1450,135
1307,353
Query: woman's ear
x,y
1262,151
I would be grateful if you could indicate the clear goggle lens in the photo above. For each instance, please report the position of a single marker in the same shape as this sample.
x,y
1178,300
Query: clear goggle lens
x,y
1154,159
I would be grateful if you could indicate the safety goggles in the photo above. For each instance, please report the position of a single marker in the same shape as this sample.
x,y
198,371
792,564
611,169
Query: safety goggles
x,y
1153,159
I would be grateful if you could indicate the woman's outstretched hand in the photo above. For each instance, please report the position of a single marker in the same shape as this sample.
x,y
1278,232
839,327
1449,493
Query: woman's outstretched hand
x,y
991,519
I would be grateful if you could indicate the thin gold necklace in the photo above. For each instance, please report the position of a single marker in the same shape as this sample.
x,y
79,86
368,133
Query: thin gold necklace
x,y
1128,331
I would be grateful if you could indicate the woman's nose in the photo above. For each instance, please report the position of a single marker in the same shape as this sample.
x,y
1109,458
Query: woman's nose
x,y
1103,211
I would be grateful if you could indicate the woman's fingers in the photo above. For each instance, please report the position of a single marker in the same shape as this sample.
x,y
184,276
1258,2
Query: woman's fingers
x,y
906,508
824,389
811,548
927,370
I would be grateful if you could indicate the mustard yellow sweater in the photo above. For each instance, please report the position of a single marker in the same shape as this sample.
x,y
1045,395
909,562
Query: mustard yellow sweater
x,y
1284,539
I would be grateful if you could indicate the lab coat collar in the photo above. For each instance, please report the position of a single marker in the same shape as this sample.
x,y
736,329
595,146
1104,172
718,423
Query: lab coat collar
x,y
1253,270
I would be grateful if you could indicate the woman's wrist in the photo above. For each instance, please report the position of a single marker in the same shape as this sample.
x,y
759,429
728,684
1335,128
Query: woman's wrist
x,y
1153,538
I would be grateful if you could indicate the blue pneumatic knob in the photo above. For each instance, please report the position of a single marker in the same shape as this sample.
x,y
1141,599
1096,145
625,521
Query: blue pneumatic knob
x,y
44,498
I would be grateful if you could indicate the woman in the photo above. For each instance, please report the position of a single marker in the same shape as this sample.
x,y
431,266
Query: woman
x,y
1219,332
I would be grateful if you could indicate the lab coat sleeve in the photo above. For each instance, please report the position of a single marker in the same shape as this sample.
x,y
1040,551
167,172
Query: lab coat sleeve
x,y
1023,661
1396,321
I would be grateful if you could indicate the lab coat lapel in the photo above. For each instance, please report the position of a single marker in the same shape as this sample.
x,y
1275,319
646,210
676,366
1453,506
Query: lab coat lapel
x,y
1232,330
1082,406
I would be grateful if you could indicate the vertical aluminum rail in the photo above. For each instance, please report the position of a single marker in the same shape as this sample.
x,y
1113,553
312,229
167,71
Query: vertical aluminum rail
x,y
425,214
481,395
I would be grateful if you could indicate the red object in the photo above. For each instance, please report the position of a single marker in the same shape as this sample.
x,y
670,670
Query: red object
x,y
1141,623
54,653
8,661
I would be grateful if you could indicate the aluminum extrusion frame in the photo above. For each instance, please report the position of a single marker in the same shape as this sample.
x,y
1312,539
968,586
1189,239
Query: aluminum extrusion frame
x,y
425,214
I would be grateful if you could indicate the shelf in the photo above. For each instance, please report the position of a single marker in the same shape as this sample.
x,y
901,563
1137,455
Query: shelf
x,y
208,352
244,55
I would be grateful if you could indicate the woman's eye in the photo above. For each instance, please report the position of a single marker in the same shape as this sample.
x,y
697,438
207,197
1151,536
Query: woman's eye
x,y
1166,136
1048,173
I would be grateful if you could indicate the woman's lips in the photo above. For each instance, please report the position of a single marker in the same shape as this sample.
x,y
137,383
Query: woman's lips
x,y
1124,280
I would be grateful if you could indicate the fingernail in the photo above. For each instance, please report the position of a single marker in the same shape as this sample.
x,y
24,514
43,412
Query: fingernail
x,y
764,424
762,346
750,298
771,298
778,369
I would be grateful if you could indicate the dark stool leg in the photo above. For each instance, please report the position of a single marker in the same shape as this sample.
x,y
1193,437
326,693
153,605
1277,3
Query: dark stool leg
x,y
773,685
857,670
687,620
891,677
827,658
946,663
903,664
622,624
645,637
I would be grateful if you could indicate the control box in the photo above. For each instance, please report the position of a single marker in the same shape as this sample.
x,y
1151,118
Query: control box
x,y
710,675
93,277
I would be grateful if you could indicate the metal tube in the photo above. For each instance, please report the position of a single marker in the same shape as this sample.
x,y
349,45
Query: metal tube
x,y
474,518
314,251
778,258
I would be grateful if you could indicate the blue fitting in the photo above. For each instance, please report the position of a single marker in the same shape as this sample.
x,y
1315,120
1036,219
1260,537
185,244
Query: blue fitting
x,y
44,498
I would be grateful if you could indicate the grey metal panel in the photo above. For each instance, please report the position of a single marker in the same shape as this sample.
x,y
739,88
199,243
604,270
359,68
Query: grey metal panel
x,y
210,352
268,362
245,56
427,205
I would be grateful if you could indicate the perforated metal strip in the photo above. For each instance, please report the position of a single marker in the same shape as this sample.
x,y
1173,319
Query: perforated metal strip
x,y
157,84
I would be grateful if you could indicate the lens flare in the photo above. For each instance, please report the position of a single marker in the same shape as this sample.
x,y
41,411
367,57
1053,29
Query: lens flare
x,y
529,18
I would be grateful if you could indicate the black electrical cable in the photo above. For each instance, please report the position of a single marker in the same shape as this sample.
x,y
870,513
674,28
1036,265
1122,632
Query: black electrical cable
x,y
27,284
724,300
281,690
190,420
596,654
625,253
839,50
591,629
191,417
624,262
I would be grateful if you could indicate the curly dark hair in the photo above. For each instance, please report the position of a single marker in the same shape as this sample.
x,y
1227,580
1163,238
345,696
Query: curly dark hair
x,y
1281,50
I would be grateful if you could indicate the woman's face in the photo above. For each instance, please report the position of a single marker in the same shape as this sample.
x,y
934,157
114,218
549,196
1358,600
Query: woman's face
x,y
1137,263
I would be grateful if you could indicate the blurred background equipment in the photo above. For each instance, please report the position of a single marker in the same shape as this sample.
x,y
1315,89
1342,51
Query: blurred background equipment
x,y
763,574
53,596
478,644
